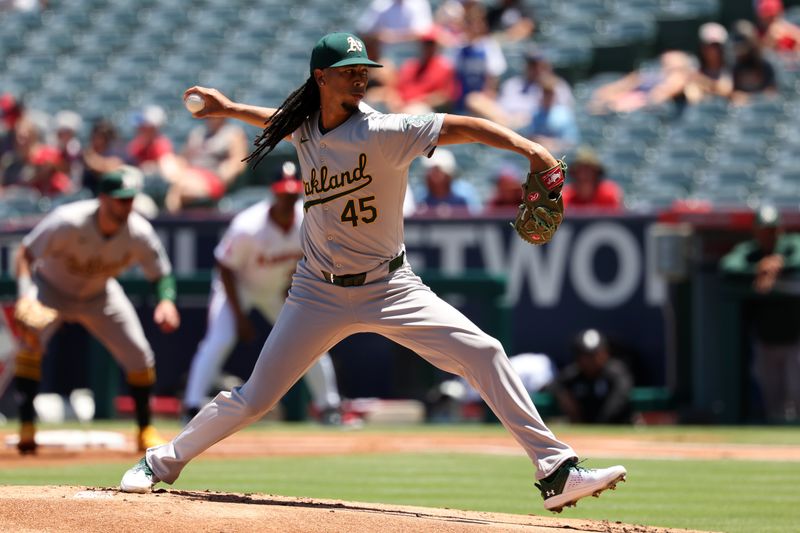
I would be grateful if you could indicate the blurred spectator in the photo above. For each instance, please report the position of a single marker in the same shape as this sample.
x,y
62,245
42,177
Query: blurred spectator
x,y
770,261
479,62
424,83
507,190
553,125
212,160
11,111
68,126
510,20
44,173
646,86
587,185
776,33
441,192
521,96
15,161
102,155
381,80
713,77
596,388
752,73
396,20
152,152
449,17
149,145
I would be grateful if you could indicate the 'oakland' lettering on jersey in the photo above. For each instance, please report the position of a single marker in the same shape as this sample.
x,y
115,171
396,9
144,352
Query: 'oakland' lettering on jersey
x,y
336,181
96,265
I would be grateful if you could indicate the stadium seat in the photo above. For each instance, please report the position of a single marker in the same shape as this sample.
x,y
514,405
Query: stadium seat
x,y
684,178
654,197
725,196
716,178
81,194
22,200
242,198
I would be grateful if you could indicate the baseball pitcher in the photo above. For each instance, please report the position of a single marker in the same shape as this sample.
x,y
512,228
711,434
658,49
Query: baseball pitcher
x,y
66,269
354,276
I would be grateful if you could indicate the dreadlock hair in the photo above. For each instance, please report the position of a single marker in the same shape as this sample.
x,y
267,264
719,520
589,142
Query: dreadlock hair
x,y
292,112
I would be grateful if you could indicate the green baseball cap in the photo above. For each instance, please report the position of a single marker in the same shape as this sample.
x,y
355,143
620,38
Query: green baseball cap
x,y
339,50
124,182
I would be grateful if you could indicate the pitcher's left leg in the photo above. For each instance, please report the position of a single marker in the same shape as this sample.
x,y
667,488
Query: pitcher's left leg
x,y
412,315
415,317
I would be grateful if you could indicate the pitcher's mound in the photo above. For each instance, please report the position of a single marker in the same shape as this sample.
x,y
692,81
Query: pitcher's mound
x,y
67,509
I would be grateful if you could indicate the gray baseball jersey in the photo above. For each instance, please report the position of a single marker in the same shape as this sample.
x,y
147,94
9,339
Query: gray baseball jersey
x,y
74,267
73,257
355,179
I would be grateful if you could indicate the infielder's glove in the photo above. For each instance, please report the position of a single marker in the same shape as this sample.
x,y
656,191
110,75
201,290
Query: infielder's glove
x,y
31,316
542,208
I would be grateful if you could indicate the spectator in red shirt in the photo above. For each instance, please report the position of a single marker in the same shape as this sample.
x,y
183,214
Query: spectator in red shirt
x,y
45,175
149,145
426,82
587,186
507,190
775,31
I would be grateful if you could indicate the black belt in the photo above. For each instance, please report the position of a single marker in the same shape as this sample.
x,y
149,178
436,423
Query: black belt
x,y
355,280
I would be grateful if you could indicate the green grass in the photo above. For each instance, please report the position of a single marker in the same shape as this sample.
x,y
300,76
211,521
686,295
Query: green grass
x,y
732,496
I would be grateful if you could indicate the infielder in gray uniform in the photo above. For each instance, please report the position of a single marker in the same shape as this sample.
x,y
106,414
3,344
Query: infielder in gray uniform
x,y
68,264
354,277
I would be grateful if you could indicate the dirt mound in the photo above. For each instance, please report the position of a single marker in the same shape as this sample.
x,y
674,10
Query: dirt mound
x,y
68,509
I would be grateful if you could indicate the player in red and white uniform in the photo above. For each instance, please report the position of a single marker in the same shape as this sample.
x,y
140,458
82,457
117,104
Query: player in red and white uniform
x,y
255,262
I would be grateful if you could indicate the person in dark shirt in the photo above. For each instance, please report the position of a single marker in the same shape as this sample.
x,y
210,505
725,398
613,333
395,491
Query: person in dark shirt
x,y
511,20
595,389
770,262
752,73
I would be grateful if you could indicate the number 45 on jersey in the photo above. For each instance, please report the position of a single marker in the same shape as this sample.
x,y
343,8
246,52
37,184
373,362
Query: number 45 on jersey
x,y
365,213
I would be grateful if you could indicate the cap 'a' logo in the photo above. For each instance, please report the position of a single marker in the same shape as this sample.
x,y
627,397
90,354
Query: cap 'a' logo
x,y
355,45
130,181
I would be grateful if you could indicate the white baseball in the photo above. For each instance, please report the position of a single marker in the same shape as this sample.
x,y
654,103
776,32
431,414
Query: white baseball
x,y
194,103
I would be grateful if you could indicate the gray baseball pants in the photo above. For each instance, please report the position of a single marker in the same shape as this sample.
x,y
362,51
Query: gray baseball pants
x,y
110,317
317,315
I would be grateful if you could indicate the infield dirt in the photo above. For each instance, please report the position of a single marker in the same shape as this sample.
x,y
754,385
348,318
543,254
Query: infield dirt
x,y
73,509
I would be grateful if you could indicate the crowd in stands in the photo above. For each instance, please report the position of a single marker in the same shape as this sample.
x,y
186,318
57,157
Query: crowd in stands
x,y
459,66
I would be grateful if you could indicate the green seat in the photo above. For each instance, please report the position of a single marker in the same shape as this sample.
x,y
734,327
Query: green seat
x,y
242,199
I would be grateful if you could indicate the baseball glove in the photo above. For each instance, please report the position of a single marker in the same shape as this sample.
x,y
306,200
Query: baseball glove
x,y
542,208
33,316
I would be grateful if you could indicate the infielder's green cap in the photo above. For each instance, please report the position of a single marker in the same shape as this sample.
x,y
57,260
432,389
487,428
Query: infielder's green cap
x,y
339,50
125,182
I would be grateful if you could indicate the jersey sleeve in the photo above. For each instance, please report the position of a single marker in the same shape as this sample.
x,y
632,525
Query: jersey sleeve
x,y
405,137
44,235
152,256
233,248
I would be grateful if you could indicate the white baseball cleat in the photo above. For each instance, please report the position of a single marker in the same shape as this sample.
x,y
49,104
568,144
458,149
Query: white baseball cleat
x,y
571,482
139,479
